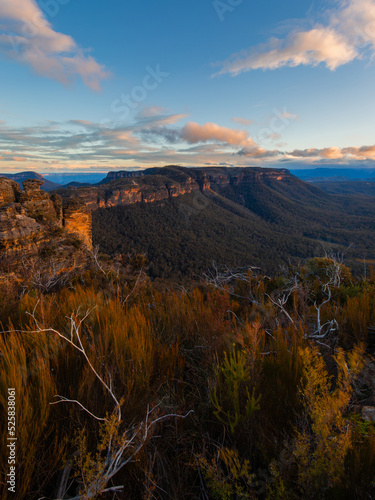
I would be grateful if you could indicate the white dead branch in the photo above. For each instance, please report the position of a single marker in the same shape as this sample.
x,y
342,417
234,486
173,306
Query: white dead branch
x,y
123,445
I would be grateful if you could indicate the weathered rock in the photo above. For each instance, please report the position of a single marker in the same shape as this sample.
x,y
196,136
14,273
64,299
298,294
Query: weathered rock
x,y
58,206
179,189
18,232
15,224
9,191
37,203
78,221
31,222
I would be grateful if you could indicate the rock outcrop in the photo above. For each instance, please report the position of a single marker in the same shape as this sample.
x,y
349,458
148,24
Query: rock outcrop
x,y
38,204
368,413
9,191
33,222
18,231
77,220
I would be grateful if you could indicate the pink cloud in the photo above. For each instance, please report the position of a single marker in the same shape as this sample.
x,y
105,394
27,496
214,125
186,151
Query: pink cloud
x,y
193,133
18,158
159,121
335,153
361,153
347,34
258,152
51,54
123,136
320,45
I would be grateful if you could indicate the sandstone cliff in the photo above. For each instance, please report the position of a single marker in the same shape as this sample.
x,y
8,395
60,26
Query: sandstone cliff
x,y
159,184
121,188
34,223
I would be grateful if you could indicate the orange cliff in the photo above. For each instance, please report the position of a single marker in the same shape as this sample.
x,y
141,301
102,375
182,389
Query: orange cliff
x,y
123,188
127,191
32,221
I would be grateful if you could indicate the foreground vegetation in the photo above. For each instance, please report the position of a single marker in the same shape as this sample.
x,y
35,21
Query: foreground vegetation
x,y
241,387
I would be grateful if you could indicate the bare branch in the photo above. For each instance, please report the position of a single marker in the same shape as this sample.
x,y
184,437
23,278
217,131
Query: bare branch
x,y
63,399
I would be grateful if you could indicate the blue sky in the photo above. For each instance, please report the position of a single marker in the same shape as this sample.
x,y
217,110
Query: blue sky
x,y
95,86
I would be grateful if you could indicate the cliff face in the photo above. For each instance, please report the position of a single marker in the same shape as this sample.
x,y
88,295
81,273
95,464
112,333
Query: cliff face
x,y
125,190
32,222
216,178
77,220
159,184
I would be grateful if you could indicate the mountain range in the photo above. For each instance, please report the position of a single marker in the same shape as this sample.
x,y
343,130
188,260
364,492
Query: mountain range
x,y
187,219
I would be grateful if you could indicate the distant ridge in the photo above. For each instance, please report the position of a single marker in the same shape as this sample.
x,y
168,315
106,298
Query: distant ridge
x,y
122,174
20,177
323,174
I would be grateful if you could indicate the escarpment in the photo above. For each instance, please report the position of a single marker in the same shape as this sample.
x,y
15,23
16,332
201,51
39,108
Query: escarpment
x,y
122,188
34,222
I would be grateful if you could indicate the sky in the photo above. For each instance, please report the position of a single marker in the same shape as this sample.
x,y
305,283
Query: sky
x,y
91,86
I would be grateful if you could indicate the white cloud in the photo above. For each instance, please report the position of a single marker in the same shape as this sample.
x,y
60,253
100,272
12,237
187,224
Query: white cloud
x,y
349,32
26,35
